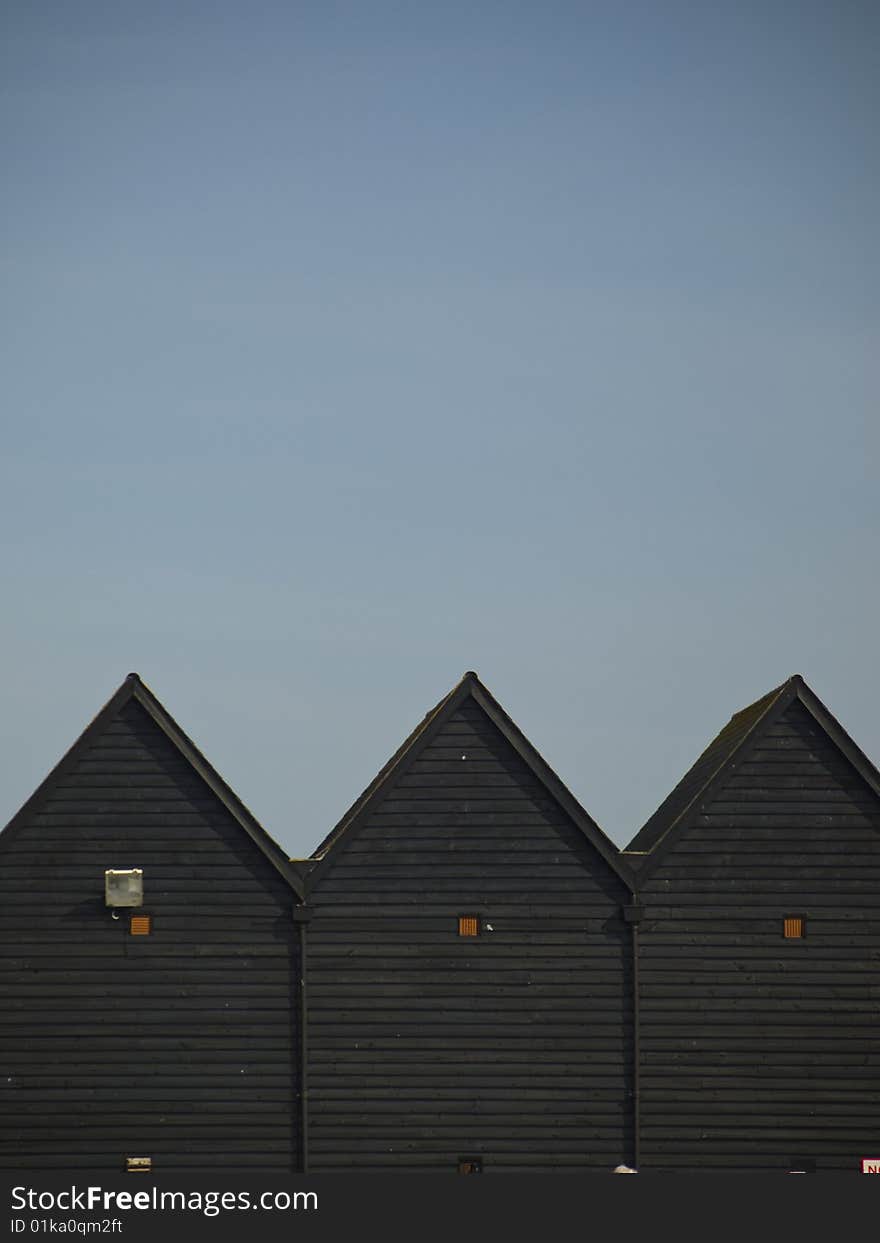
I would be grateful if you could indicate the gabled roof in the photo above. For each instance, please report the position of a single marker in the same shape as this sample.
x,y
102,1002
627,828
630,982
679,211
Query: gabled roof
x,y
709,772
471,687
134,689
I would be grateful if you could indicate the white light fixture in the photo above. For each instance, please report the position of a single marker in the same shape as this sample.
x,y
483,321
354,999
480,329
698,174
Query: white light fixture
x,y
124,888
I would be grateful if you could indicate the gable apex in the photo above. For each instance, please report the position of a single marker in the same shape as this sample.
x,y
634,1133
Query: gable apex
x,y
712,767
133,688
468,688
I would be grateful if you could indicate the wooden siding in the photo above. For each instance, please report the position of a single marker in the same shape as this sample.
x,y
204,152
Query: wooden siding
x,y
181,1045
758,1051
425,1047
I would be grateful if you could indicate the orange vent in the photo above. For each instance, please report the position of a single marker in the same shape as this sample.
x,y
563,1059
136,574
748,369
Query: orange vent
x,y
468,925
793,926
140,926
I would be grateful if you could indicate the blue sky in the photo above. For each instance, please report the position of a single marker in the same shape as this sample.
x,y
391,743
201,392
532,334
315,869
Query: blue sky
x,y
347,347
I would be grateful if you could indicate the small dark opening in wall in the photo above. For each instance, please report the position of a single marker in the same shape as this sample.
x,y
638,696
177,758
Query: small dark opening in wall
x,y
470,1165
802,1165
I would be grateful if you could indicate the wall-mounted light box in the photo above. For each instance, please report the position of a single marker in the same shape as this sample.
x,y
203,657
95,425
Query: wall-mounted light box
x,y
124,887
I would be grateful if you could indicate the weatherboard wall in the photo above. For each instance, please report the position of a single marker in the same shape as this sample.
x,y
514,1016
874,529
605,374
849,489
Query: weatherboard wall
x,y
181,1045
760,1053
425,1047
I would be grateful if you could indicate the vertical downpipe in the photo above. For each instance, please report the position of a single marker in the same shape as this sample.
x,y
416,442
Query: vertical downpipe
x,y
301,917
637,1121
632,914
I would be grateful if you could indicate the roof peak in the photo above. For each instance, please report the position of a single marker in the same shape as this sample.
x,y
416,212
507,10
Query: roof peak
x,y
714,763
133,690
469,687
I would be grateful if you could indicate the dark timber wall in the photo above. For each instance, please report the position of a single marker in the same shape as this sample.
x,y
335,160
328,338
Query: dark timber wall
x,y
181,1045
759,1052
533,1046
426,1047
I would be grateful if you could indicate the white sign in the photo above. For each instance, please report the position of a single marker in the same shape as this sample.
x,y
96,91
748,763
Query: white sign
x,y
871,1165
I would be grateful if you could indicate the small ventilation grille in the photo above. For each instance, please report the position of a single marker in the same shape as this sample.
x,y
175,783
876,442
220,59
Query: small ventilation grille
x,y
793,927
140,925
138,1165
468,925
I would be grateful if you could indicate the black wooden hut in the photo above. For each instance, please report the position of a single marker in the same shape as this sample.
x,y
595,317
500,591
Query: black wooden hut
x,y
469,987
759,949
165,1032
467,975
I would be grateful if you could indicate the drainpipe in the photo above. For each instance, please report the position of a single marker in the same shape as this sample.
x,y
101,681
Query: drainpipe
x,y
633,914
301,917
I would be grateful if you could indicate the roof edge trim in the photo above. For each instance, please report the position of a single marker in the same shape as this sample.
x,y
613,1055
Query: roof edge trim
x,y
838,735
263,840
546,775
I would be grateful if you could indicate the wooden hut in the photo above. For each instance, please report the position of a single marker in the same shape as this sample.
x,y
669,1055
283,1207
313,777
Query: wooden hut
x,y
469,990
466,975
158,1033
759,950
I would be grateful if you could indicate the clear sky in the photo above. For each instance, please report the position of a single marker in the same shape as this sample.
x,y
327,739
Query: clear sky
x,y
347,346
